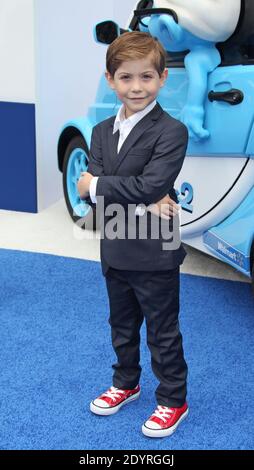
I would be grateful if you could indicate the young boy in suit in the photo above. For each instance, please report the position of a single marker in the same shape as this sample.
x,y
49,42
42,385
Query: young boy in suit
x,y
135,158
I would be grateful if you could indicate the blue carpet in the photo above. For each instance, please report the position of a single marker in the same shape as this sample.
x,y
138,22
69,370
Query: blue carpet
x,y
56,356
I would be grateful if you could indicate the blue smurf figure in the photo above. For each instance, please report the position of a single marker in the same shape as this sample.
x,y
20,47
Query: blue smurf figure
x,y
197,26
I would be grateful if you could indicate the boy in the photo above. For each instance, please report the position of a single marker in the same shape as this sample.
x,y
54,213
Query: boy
x,y
135,158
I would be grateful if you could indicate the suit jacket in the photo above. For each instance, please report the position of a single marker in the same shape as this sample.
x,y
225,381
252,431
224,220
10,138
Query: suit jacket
x,y
143,171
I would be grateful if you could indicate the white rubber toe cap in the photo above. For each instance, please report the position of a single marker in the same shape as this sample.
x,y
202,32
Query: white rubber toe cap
x,y
100,403
152,425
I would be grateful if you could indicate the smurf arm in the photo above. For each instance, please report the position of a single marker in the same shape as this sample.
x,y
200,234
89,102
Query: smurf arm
x,y
202,60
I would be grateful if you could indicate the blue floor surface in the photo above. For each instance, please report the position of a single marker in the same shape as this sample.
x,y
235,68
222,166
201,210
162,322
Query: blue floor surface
x,y
56,357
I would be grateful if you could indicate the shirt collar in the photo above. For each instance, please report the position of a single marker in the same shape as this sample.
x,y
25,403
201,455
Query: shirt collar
x,y
133,119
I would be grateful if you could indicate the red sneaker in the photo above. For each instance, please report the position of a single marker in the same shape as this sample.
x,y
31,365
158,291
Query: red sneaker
x,y
164,421
112,400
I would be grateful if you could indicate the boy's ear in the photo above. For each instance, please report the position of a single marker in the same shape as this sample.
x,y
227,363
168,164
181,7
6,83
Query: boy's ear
x,y
110,80
164,76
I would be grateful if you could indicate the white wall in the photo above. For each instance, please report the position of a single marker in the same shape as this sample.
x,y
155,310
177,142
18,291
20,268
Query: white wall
x,y
69,65
17,82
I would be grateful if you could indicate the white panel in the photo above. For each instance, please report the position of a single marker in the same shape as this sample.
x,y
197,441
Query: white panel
x,y
210,179
69,64
17,51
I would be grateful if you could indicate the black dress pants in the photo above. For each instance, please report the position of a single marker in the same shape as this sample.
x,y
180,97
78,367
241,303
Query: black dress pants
x,y
153,296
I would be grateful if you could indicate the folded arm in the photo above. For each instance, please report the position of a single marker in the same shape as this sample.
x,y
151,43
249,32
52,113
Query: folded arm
x,y
158,176
95,168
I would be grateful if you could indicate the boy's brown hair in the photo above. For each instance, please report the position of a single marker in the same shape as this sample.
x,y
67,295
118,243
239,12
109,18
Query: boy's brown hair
x,y
134,45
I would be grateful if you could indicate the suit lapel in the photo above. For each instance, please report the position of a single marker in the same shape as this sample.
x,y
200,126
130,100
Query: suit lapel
x,y
112,145
144,124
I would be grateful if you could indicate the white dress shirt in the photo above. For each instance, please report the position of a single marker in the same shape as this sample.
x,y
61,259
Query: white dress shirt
x,y
124,126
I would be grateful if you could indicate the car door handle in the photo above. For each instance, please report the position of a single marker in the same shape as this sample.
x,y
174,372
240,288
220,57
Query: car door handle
x,y
232,96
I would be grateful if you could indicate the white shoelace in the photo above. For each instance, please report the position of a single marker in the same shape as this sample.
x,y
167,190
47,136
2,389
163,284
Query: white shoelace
x,y
163,412
113,393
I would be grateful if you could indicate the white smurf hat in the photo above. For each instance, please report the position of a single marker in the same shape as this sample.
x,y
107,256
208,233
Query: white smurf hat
x,y
212,20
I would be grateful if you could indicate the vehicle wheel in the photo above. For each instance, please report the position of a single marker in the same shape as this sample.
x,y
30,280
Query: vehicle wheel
x,y
75,162
252,265
252,277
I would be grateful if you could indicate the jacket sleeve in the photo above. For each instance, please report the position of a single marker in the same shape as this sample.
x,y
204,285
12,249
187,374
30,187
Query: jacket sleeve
x,y
158,176
95,164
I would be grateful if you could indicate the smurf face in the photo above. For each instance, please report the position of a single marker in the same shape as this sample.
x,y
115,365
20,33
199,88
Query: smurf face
x,y
211,20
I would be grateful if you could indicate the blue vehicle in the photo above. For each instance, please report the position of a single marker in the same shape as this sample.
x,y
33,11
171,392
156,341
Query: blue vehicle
x,y
216,185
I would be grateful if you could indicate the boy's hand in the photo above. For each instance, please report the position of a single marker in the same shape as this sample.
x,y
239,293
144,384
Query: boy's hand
x,y
164,208
84,184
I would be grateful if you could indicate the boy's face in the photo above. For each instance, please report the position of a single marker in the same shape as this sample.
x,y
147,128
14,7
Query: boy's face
x,y
136,83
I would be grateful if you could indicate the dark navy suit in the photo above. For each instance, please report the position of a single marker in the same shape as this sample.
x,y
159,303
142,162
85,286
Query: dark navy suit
x,y
142,279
